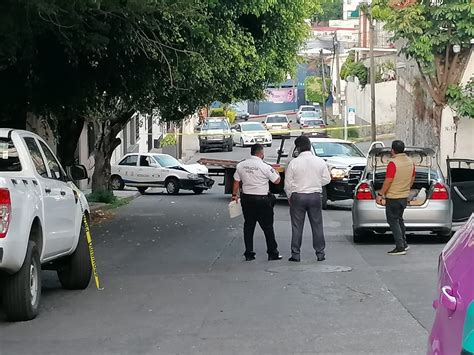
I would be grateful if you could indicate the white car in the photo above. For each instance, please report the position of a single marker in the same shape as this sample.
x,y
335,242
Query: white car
x,y
146,170
41,223
306,108
250,133
277,124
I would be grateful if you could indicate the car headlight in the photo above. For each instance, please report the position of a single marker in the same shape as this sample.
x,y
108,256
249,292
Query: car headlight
x,y
338,174
193,176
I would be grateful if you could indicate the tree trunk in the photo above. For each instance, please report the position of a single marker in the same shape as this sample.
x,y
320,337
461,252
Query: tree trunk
x,y
69,131
106,142
437,116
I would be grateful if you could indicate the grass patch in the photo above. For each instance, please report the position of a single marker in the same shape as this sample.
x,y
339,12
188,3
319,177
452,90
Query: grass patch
x,y
104,196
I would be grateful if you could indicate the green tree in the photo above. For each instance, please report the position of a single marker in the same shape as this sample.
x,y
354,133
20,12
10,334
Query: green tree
x,y
103,61
354,69
330,10
428,31
314,90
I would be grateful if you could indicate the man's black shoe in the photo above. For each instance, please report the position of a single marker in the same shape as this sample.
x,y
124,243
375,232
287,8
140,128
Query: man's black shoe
x,y
321,257
294,260
275,257
397,252
249,256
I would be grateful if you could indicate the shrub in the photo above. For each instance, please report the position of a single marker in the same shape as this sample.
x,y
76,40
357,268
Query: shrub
x,y
168,140
353,133
105,196
217,112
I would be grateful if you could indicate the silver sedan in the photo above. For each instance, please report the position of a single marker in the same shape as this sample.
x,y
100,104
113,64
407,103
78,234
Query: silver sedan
x,y
429,207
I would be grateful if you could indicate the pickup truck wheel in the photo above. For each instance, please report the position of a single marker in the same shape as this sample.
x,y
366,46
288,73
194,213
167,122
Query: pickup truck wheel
x,y
172,186
75,273
142,190
22,290
198,190
324,199
116,183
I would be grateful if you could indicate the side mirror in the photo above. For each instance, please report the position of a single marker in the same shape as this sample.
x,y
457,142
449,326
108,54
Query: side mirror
x,y
197,129
291,121
77,172
263,122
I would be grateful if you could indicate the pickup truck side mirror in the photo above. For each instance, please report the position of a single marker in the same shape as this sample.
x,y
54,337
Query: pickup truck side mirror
x,y
77,172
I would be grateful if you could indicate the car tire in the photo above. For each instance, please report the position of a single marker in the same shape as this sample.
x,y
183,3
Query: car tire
x,y
172,186
360,235
116,182
76,270
142,190
324,199
22,290
242,143
198,190
444,237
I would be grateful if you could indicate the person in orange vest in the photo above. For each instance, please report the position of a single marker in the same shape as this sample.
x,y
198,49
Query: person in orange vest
x,y
399,179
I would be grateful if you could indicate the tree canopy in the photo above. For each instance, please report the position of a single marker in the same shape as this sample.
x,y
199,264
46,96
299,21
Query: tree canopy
x,y
428,32
101,61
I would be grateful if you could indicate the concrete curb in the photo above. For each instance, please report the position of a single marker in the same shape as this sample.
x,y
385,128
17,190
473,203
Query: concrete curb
x,y
98,206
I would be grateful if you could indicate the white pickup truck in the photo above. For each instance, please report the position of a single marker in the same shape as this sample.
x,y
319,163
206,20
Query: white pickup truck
x,y
40,223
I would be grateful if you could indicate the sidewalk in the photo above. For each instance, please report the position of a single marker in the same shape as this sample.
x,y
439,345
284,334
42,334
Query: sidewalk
x,y
128,194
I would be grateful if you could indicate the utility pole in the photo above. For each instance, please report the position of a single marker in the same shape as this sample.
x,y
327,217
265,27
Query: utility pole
x,y
338,81
372,78
323,76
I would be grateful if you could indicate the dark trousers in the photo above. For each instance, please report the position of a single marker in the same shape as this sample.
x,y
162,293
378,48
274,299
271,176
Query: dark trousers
x,y
258,209
300,205
394,209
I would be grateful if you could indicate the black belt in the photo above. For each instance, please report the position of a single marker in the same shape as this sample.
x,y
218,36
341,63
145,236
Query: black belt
x,y
255,196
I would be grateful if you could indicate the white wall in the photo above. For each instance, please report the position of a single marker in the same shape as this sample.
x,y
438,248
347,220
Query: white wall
x,y
385,101
457,139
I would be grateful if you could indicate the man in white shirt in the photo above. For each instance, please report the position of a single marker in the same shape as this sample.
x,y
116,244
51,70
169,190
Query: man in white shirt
x,y
305,177
257,203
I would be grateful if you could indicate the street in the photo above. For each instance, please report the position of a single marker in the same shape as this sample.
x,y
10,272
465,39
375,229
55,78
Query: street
x,y
175,283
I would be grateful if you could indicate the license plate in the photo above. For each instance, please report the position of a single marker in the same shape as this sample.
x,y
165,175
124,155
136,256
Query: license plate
x,y
259,140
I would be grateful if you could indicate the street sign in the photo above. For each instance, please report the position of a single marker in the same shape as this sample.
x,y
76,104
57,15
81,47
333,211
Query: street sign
x,y
351,116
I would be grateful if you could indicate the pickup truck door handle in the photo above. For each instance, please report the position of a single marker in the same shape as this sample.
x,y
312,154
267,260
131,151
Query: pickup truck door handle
x,y
47,190
63,193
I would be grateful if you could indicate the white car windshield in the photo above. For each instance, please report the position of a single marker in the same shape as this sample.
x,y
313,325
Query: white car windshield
x,y
336,149
215,125
308,109
309,114
166,161
314,122
253,127
277,119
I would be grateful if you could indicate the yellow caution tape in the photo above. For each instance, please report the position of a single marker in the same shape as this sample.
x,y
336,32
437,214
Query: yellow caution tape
x,y
284,131
89,244
91,252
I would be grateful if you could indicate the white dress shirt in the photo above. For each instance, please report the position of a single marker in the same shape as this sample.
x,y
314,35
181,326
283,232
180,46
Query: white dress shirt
x,y
254,174
306,174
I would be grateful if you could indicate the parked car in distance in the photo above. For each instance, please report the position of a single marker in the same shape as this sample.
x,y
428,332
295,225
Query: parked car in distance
x,y
453,328
159,170
215,134
277,125
250,133
431,212
308,116
41,215
240,113
306,108
313,124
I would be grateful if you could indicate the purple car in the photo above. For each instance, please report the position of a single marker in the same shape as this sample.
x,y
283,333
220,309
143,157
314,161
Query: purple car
x,y
453,328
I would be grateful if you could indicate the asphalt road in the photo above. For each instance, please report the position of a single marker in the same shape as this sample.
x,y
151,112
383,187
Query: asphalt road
x,y
176,283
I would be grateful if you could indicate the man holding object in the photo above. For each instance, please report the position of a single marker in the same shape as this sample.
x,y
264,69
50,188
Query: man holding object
x,y
257,202
396,188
